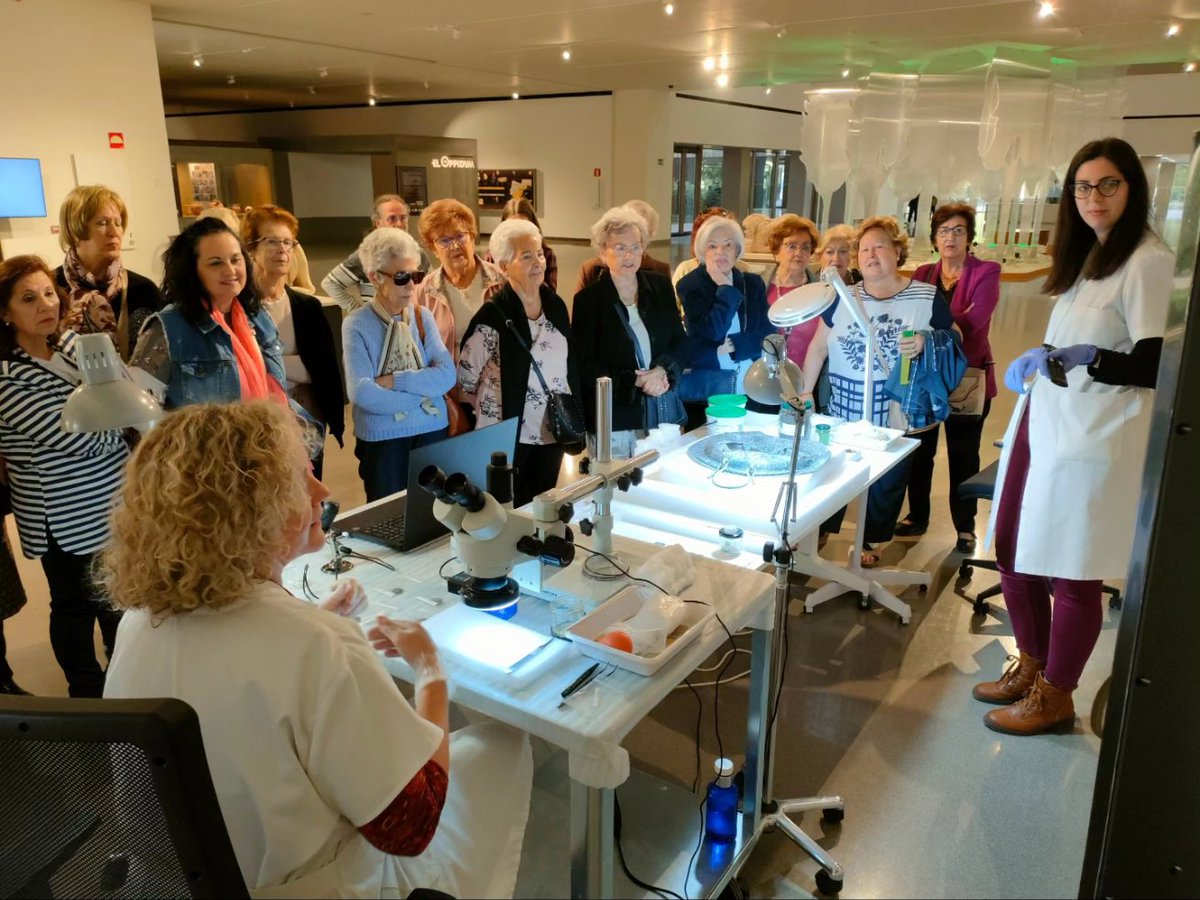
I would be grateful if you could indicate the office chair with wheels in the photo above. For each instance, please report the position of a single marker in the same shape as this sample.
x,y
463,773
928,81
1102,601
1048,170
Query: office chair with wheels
x,y
109,798
982,486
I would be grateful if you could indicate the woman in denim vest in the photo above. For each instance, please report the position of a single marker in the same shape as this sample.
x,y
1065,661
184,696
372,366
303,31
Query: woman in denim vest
x,y
213,342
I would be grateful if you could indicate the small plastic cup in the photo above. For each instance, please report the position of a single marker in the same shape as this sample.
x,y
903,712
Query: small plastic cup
x,y
725,418
824,433
731,539
565,611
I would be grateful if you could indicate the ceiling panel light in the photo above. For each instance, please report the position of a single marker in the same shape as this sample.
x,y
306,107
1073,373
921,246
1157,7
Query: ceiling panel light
x,y
723,80
197,60
1190,67
1045,9
229,79
669,9
1172,29
709,64
781,32
724,61
370,101
323,72
846,72
767,91
516,96
566,55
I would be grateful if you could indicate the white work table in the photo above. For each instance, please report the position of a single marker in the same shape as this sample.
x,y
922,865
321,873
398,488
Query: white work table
x,y
594,722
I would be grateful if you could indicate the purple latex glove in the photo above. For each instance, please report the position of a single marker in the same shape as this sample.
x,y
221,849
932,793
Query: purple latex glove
x,y
1023,367
1075,355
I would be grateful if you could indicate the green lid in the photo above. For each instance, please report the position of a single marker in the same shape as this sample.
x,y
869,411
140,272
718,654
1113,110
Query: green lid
x,y
725,412
727,400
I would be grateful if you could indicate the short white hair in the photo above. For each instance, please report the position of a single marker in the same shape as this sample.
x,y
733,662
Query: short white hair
x,y
617,219
712,226
647,212
507,233
385,246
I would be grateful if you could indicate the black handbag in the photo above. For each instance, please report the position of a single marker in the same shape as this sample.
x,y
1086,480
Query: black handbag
x,y
696,385
564,417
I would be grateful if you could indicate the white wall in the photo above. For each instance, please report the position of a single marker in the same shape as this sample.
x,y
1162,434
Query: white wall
x,y
74,70
563,138
329,184
724,125
1176,95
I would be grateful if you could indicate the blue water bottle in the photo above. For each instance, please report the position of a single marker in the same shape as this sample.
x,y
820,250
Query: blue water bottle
x,y
721,807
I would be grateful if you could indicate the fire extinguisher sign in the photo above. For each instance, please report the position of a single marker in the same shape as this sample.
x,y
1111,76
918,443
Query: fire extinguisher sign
x,y
116,140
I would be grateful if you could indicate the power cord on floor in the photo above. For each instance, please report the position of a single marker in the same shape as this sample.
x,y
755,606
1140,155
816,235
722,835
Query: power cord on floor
x,y
664,893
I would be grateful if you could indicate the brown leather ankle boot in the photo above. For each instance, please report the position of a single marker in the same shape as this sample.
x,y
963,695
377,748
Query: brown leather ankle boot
x,y
1013,684
1043,708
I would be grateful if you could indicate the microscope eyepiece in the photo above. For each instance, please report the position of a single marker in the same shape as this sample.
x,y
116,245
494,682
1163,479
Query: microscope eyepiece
x,y
465,494
433,480
329,511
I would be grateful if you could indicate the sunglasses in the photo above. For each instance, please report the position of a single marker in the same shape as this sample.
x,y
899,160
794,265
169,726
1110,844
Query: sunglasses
x,y
400,279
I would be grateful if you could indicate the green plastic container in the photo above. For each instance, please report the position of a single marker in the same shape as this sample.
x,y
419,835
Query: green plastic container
x,y
738,400
725,412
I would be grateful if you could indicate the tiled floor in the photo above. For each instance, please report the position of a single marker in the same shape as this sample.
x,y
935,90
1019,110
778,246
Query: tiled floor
x,y
937,805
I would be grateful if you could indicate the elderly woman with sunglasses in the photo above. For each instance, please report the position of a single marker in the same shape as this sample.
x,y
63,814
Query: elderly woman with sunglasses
x,y
397,367
306,340
463,280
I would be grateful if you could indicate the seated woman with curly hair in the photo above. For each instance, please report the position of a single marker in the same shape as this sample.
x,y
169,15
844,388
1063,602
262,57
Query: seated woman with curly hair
x,y
330,783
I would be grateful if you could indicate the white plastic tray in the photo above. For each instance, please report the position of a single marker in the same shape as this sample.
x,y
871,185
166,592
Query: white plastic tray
x,y
622,606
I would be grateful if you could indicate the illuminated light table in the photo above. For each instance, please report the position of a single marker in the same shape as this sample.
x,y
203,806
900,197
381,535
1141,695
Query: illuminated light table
x,y
593,724
677,500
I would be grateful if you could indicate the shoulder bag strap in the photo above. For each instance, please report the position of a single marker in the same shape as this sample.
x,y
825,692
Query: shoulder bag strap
x,y
537,370
637,348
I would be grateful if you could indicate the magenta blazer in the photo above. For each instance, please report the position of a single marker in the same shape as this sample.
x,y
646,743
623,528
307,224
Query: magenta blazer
x,y
975,299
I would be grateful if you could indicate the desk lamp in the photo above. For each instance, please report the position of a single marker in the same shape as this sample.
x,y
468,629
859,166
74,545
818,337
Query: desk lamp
x,y
107,397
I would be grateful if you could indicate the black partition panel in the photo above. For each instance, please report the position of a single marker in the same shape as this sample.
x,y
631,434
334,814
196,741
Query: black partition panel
x,y
1144,839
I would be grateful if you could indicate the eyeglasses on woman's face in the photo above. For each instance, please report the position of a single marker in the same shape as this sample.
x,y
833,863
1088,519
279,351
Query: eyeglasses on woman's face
x,y
450,240
1107,187
951,231
400,279
273,244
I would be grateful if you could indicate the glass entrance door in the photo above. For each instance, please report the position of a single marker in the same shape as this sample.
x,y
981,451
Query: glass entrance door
x,y
685,194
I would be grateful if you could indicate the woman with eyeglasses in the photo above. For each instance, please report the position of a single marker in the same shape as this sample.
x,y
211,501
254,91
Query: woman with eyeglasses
x,y
1071,470
463,280
397,367
102,294
972,286
306,340
213,342
791,239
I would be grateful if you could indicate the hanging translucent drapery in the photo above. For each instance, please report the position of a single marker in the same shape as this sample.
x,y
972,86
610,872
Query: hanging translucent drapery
x,y
878,137
823,143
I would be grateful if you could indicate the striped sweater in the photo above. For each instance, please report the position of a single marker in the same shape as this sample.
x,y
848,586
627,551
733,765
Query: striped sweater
x,y
61,481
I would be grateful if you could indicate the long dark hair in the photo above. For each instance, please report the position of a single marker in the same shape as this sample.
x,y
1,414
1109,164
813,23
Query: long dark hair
x,y
1077,252
13,270
519,206
181,283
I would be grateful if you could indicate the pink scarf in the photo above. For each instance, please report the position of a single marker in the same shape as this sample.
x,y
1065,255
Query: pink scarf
x,y
256,384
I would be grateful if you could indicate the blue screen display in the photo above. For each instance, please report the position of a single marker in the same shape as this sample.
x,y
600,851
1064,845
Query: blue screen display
x,y
21,194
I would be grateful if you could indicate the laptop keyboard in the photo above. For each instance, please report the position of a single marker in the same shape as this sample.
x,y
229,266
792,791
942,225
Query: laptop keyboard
x,y
388,531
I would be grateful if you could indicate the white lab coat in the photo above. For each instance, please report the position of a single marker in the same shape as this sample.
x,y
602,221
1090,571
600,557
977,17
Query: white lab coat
x,y
1087,441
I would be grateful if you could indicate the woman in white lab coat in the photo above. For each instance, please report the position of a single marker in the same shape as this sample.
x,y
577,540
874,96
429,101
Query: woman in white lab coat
x,y
1071,471
330,783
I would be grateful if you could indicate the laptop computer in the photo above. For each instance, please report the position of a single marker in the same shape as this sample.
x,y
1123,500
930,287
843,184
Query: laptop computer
x,y
405,520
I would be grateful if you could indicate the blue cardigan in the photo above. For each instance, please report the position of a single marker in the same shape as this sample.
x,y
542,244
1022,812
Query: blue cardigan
x,y
708,311
932,378
380,414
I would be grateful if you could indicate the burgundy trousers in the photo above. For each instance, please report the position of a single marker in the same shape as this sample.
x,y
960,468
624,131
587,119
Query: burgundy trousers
x,y
1062,636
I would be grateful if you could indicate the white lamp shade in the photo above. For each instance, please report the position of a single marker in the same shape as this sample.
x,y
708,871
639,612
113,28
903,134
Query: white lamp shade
x,y
801,305
107,398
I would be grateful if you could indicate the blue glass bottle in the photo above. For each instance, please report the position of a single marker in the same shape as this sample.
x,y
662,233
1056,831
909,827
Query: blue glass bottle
x,y
721,806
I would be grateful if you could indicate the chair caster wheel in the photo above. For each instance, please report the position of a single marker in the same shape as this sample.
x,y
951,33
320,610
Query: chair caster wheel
x,y
981,608
964,571
864,601
832,815
923,588
827,884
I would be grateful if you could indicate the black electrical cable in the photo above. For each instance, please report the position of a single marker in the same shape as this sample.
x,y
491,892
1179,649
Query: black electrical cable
x,y
664,893
442,567
699,718
779,682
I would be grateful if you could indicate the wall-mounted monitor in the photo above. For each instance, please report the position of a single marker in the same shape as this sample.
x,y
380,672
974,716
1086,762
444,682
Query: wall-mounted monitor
x,y
21,194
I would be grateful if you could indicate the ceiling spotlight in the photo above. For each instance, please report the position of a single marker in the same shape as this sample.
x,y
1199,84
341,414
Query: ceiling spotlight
x,y
425,84
709,64
781,32
723,80
370,101
454,32
767,90
322,72
1045,9
566,55
1190,67
1172,29
846,72
724,61
516,96
229,79
311,89
669,9
197,60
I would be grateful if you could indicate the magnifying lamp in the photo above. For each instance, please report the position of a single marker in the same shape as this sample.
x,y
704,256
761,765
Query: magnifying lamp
x,y
107,397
